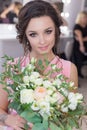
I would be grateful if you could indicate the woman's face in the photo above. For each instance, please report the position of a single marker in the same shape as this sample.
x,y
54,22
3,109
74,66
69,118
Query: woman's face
x,y
84,20
41,34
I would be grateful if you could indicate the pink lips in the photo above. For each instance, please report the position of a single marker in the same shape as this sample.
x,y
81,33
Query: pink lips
x,y
43,48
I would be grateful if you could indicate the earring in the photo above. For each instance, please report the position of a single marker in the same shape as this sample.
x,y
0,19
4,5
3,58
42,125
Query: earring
x,y
27,42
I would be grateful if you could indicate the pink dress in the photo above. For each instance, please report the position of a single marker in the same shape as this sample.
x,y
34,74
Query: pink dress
x,y
66,67
61,63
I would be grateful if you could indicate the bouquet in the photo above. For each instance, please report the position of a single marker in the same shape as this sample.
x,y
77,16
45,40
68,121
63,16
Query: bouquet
x,y
47,103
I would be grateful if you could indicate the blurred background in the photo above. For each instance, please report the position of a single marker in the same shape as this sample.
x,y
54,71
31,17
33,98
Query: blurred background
x,y
68,9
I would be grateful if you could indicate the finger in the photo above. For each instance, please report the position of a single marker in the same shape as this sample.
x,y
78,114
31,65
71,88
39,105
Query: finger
x,y
30,125
22,120
17,128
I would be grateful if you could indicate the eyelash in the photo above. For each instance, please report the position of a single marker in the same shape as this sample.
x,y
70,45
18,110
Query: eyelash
x,y
49,31
34,34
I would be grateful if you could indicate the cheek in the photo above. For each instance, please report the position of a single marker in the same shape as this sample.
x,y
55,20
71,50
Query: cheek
x,y
51,39
33,41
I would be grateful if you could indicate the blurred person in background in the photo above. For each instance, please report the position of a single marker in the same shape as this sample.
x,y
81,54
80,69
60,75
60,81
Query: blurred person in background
x,y
10,14
65,23
80,41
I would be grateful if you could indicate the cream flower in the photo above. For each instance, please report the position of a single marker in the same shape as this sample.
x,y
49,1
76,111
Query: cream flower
x,y
26,79
64,108
35,74
47,84
38,81
79,96
35,106
26,96
72,105
44,108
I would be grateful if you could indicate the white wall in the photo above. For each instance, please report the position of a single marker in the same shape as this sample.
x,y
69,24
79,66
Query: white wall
x,y
73,8
9,45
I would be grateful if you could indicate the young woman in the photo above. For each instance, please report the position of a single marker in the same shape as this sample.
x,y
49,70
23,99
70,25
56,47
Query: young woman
x,y
38,32
80,41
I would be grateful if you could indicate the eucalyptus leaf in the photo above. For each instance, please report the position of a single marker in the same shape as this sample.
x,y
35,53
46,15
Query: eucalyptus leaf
x,y
39,126
54,126
68,127
31,117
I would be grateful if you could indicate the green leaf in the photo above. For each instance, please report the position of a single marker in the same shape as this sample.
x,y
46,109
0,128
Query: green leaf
x,y
32,117
45,121
54,126
39,126
73,122
68,127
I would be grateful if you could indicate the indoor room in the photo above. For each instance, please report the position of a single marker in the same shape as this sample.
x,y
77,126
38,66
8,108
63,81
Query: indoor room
x,y
55,33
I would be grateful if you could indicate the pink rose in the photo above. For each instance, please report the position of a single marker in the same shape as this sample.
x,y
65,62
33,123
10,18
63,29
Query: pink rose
x,y
9,81
40,92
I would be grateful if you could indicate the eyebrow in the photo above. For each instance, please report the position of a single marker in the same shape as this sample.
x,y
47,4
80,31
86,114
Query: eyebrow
x,y
36,31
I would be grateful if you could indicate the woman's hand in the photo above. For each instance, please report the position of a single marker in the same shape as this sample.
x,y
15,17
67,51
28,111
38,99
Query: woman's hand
x,y
15,121
11,7
82,48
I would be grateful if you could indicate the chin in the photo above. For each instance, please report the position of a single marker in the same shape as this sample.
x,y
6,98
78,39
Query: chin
x,y
43,52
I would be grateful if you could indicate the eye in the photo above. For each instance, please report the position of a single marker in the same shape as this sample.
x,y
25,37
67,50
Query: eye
x,y
33,34
49,31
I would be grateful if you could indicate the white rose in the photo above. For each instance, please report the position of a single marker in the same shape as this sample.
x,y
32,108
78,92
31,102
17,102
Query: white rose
x,y
71,96
72,105
26,96
64,108
35,74
53,98
32,78
38,81
45,107
47,84
79,96
47,98
49,91
26,79
35,106
72,101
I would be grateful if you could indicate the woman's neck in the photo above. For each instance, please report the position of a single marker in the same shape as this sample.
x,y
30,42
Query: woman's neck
x,y
16,11
42,57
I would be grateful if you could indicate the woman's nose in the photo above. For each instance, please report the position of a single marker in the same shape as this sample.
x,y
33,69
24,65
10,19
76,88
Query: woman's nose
x,y
41,39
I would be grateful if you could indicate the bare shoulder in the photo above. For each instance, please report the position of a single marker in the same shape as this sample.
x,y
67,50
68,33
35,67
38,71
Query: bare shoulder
x,y
74,74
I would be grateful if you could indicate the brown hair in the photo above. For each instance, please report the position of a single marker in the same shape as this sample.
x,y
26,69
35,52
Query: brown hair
x,y
18,5
34,9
